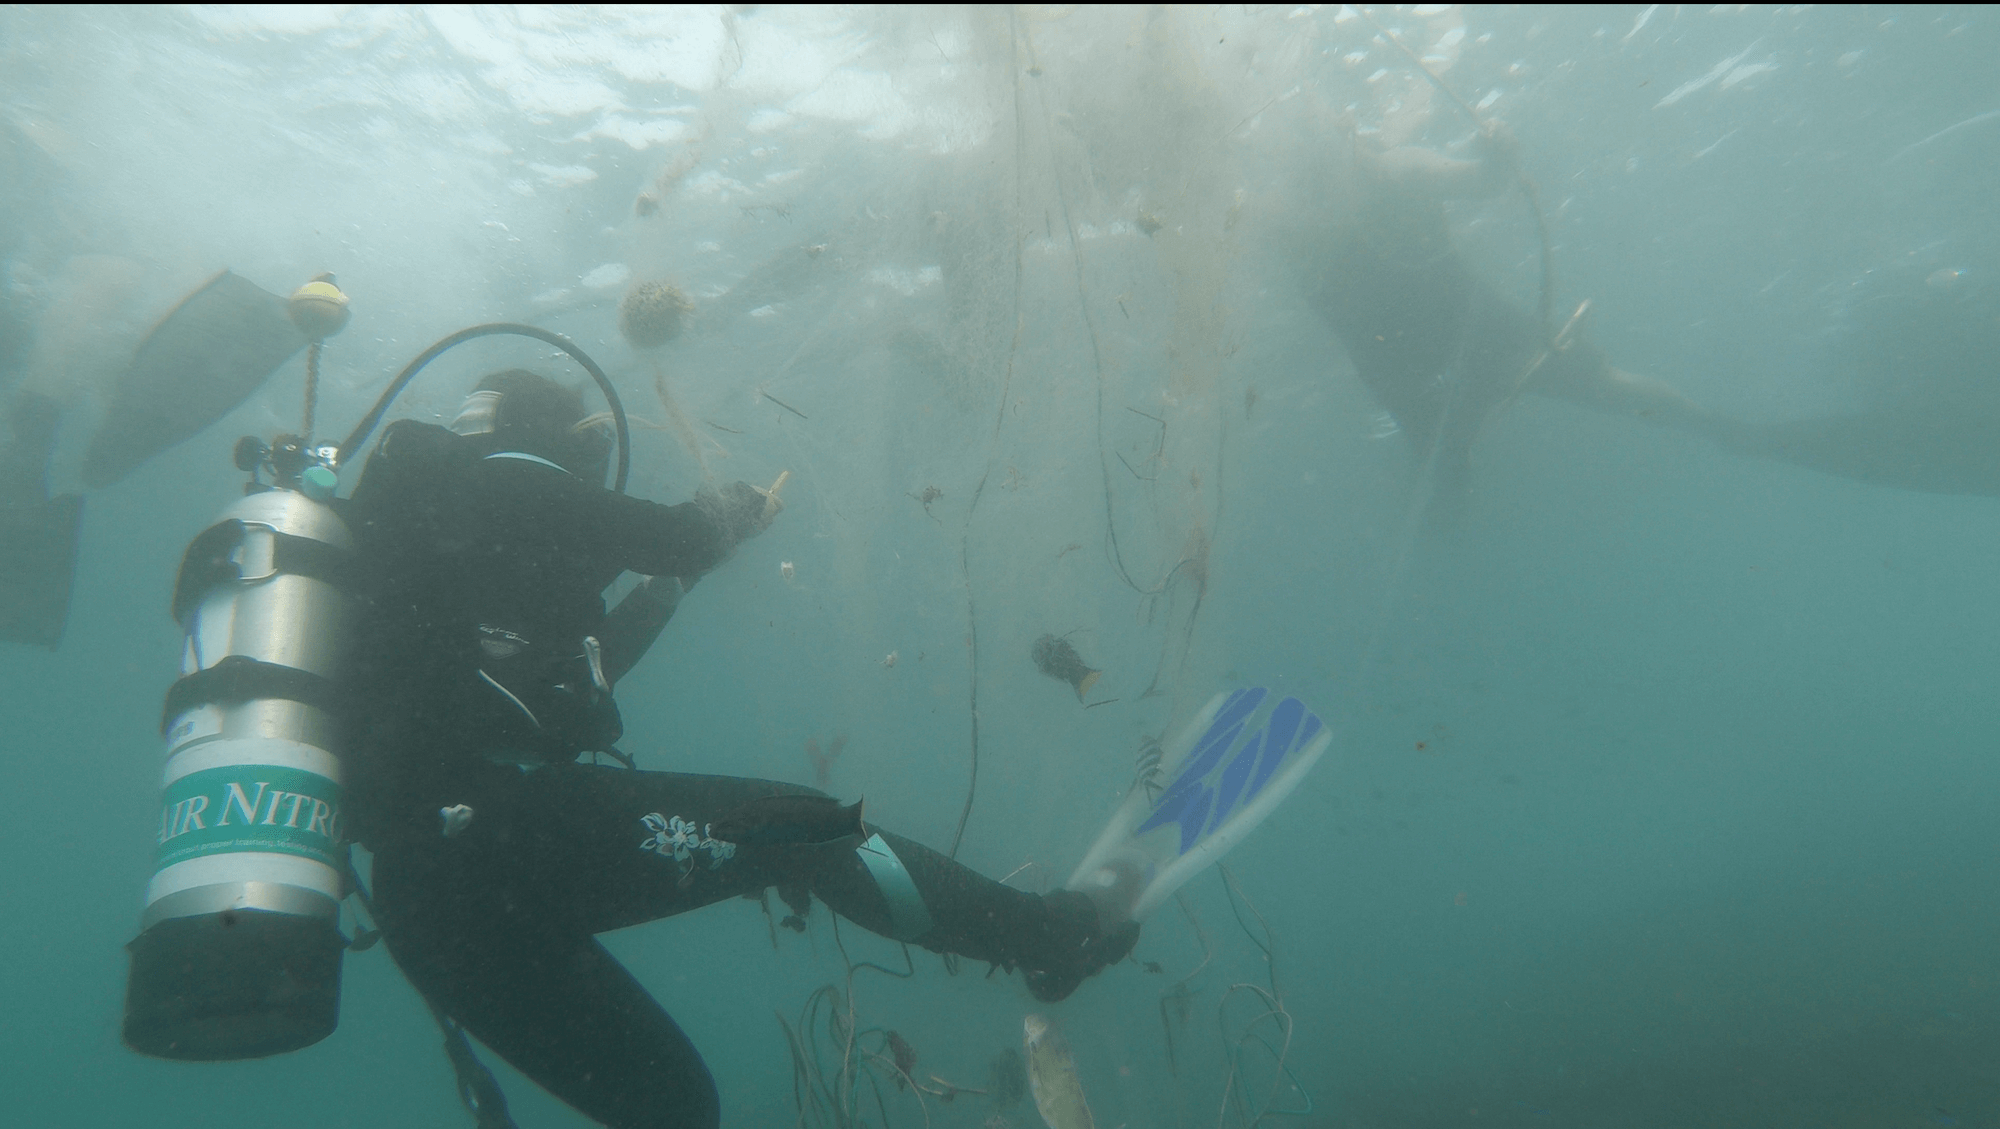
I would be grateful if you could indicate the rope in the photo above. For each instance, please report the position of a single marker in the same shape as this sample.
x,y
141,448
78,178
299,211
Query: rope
x,y
992,450
312,388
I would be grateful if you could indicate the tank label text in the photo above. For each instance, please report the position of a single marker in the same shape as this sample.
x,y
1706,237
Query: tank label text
x,y
250,808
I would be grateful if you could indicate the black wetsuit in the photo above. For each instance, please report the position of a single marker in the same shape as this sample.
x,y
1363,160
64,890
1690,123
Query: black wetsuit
x,y
495,923
1440,349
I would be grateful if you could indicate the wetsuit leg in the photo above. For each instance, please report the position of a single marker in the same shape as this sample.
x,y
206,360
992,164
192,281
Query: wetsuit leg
x,y
613,878
548,999
515,967
495,924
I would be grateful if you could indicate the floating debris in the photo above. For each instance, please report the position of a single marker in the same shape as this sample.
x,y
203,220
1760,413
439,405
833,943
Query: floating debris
x,y
1057,659
1007,1079
905,1057
653,313
822,761
781,403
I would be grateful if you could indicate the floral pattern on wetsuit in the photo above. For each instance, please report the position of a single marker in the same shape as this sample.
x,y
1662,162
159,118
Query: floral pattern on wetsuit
x,y
680,839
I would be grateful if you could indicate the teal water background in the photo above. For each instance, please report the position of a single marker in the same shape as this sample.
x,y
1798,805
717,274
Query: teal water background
x,y
1663,781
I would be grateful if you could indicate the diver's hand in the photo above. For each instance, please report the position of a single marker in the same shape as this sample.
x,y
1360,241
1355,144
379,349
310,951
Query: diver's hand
x,y
1083,946
745,511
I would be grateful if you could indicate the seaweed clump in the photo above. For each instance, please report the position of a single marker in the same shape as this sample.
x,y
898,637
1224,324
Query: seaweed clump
x,y
653,313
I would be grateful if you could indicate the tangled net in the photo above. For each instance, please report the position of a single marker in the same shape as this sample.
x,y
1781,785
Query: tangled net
x,y
652,314
830,1097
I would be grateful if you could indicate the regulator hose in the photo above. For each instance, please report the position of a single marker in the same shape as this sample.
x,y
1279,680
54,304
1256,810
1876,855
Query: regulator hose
x,y
368,422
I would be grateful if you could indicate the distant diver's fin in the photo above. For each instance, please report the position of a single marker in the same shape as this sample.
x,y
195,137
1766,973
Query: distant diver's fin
x,y
1088,680
202,360
1229,769
37,564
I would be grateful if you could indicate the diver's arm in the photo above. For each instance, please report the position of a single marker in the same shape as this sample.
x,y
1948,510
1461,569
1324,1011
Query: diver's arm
x,y
631,628
684,540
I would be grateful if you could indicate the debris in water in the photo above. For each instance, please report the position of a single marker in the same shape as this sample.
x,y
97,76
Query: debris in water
x,y
822,761
905,1057
1057,659
653,314
930,494
781,403
1007,1079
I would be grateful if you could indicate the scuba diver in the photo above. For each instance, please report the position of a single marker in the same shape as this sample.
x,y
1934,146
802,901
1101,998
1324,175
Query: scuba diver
x,y
1442,350
483,674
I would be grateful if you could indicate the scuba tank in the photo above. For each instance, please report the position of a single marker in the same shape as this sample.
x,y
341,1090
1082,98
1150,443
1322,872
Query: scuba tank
x,y
239,954
239,951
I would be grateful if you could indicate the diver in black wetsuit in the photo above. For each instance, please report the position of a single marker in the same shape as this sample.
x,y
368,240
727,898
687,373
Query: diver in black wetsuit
x,y
1441,349
485,668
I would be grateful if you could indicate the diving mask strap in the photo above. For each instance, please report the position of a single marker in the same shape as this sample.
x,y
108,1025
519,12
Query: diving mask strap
x,y
906,903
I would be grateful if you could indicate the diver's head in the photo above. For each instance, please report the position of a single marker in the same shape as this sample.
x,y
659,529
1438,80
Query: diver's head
x,y
518,410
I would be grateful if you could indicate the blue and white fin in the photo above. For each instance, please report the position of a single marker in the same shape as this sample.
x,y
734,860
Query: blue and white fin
x,y
1229,769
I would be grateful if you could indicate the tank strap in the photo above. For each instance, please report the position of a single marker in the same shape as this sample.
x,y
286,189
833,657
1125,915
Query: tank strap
x,y
220,553
907,911
238,679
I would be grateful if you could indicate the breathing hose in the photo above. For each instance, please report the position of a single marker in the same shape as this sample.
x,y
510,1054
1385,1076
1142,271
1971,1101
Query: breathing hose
x,y
368,422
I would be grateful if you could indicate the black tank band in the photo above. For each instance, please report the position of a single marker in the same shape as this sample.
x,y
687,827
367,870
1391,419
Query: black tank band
x,y
238,679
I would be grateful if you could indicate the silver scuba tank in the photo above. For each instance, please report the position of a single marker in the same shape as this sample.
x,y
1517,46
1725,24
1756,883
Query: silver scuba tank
x,y
239,951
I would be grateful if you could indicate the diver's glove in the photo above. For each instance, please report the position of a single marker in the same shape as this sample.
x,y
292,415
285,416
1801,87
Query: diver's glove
x,y
1080,947
743,510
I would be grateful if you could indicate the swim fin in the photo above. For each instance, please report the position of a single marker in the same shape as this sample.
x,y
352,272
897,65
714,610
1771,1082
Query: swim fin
x,y
1220,784
37,532
37,560
201,361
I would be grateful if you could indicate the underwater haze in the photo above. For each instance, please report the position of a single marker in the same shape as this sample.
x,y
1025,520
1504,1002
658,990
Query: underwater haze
x,y
1661,790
